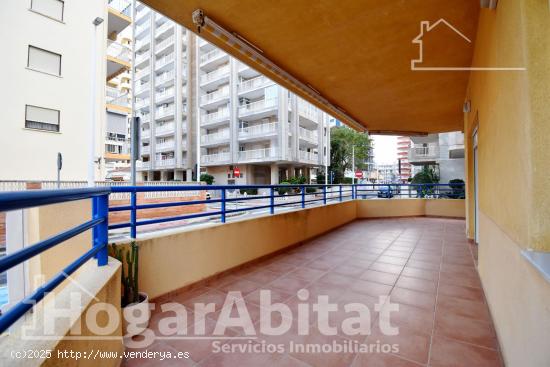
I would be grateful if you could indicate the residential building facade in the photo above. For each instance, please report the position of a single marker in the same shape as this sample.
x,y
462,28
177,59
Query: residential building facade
x,y
160,97
403,164
48,71
204,111
444,152
118,88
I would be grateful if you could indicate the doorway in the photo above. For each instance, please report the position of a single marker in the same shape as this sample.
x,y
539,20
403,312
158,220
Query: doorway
x,y
476,186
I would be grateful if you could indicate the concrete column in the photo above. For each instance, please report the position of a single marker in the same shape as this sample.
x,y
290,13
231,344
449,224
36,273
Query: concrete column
x,y
178,117
233,110
282,115
274,174
295,130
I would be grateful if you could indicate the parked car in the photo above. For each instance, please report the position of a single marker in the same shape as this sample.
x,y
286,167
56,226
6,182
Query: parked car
x,y
385,192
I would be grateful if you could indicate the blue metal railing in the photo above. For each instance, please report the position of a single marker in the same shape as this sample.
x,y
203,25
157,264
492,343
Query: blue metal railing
x,y
98,224
228,201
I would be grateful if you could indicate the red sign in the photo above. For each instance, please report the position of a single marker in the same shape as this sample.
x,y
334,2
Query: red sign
x,y
236,172
358,174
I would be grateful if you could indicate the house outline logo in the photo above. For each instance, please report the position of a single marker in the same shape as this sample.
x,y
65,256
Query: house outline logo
x,y
426,27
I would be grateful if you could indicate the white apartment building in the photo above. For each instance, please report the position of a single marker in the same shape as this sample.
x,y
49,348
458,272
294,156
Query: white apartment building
x,y
118,88
52,50
160,96
195,101
444,152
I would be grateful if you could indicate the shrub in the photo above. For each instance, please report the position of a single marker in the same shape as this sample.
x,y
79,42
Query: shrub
x,y
283,190
311,190
209,179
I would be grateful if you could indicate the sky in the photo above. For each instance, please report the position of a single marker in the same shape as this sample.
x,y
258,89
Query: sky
x,y
385,149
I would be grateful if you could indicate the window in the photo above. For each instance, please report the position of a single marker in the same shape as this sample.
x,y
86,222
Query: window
x,y
41,118
50,8
42,60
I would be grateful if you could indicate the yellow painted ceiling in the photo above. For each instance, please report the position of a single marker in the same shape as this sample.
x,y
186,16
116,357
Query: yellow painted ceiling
x,y
357,53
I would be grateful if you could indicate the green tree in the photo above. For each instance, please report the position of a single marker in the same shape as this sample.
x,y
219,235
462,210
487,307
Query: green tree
x,y
342,141
209,179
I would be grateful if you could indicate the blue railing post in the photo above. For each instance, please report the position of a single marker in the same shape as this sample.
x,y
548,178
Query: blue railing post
x,y
303,196
353,194
325,194
272,200
100,210
340,189
223,206
133,214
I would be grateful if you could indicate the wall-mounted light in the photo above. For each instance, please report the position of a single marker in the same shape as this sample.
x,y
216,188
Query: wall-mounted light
x,y
97,21
489,4
467,106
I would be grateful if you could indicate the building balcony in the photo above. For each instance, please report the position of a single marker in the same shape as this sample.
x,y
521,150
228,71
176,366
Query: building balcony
x,y
143,166
145,118
258,155
165,79
166,45
308,137
258,109
247,87
143,104
141,30
165,147
165,163
118,59
218,138
308,157
213,58
164,96
145,150
215,78
142,14
165,112
308,114
164,62
168,26
215,159
215,99
117,99
142,89
143,43
420,154
119,14
165,129
143,73
215,118
145,134
260,131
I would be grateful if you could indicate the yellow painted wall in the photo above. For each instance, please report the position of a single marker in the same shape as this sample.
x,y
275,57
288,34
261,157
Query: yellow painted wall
x,y
173,261
512,114
518,297
92,285
49,220
514,117
410,207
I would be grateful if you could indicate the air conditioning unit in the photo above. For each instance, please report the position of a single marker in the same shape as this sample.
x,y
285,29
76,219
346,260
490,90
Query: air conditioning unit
x,y
489,4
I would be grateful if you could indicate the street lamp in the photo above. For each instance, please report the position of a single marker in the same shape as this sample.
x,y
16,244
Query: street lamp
x,y
93,99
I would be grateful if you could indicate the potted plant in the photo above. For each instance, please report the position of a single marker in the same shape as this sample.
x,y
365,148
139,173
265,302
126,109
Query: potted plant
x,y
135,304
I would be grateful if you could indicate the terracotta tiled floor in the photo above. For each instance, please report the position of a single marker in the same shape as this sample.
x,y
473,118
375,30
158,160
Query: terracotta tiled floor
x,y
426,266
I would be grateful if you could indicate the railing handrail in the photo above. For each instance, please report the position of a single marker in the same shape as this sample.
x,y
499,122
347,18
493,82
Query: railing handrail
x,y
32,198
99,223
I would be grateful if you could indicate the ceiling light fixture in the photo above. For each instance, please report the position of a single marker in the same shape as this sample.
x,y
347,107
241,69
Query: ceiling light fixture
x,y
254,55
